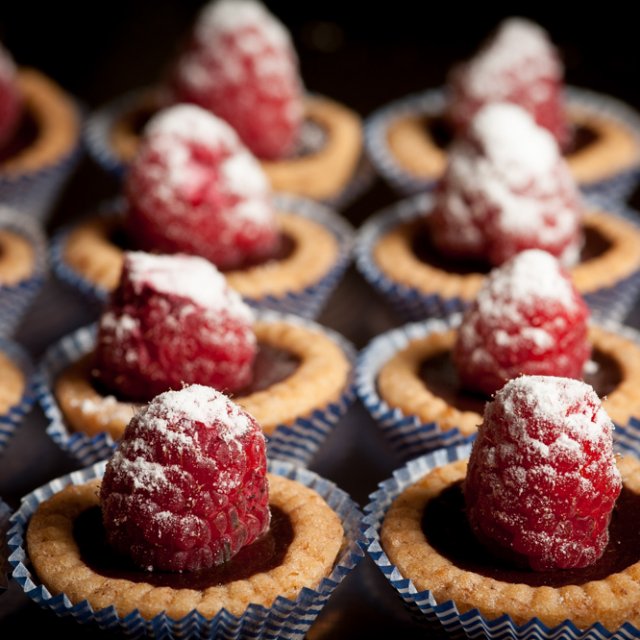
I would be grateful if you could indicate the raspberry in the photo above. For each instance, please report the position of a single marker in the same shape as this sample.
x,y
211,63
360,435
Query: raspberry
x,y
173,320
528,317
506,189
242,66
542,478
194,188
187,487
516,64
10,99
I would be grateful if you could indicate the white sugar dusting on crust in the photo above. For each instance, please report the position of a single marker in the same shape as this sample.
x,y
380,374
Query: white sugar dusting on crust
x,y
191,277
519,52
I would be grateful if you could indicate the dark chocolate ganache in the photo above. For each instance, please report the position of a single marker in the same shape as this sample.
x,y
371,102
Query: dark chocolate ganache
x,y
265,554
283,250
25,135
445,526
582,135
594,245
271,365
439,374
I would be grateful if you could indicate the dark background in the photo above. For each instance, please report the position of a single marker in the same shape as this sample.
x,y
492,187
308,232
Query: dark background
x,y
363,54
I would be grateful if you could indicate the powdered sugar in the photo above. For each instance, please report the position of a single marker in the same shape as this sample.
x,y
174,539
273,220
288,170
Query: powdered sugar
x,y
7,66
518,45
187,276
505,185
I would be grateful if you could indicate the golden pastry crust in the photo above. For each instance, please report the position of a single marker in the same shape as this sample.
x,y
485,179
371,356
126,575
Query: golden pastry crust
x,y
400,385
325,173
55,556
319,175
90,252
612,601
13,384
57,120
17,258
615,149
394,256
321,378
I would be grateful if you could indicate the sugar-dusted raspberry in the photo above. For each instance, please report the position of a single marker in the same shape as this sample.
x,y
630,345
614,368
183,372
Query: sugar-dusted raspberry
x,y
518,64
187,487
506,189
173,320
528,317
10,98
542,479
194,188
241,65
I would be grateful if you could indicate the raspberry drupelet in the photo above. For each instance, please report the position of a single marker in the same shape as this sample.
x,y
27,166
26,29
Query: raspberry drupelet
x,y
173,320
506,189
241,65
194,188
187,487
529,318
517,64
542,479
10,97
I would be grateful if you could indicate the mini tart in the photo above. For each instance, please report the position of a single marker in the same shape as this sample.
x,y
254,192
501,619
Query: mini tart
x,y
400,385
317,540
56,120
13,383
91,253
614,149
612,601
619,259
321,378
320,174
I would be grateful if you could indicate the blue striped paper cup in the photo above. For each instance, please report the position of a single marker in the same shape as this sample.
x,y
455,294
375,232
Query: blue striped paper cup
x,y
286,618
15,299
433,102
444,616
307,302
412,304
12,419
298,441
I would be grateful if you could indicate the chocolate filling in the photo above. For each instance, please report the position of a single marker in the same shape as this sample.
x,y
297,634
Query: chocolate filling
x,y
594,245
439,374
284,250
271,365
582,135
25,135
445,526
265,554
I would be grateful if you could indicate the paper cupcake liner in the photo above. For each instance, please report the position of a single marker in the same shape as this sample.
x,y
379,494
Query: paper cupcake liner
x,y
433,103
410,304
422,604
307,302
35,192
286,618
5,512
407,435
16,299
296,442
11,420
